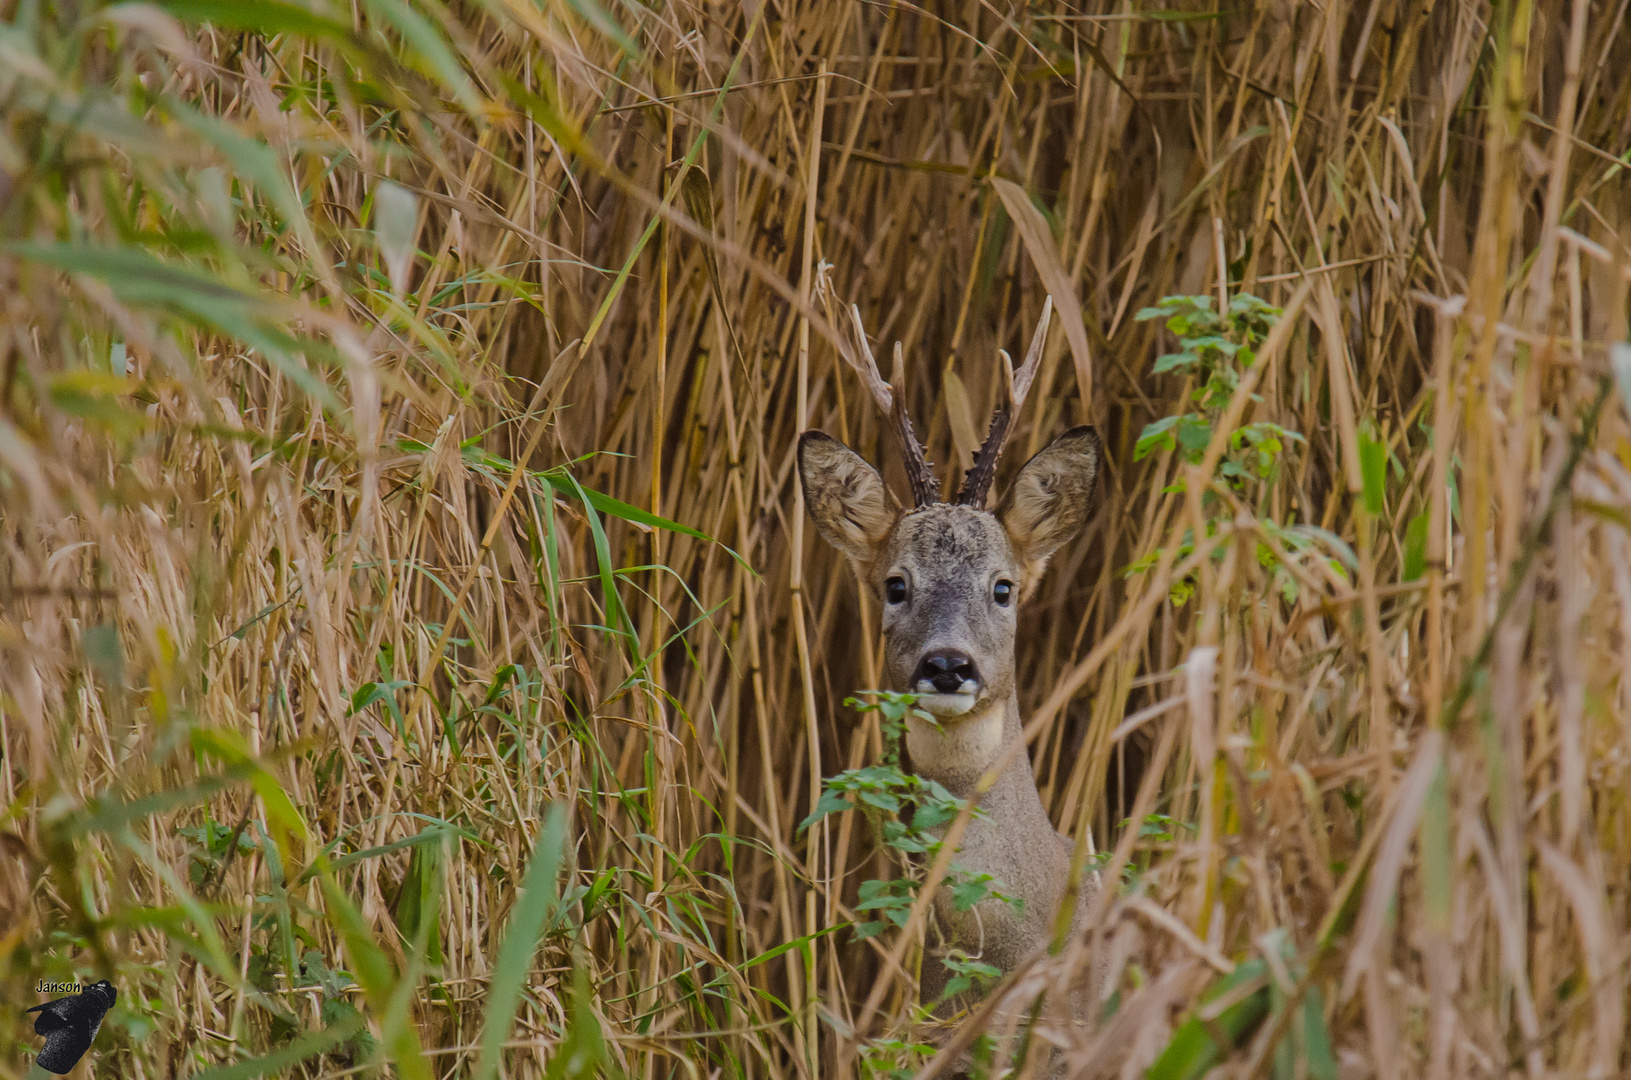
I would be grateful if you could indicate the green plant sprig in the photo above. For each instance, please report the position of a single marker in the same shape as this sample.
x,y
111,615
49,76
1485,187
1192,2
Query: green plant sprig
x,y
906,811
1215,349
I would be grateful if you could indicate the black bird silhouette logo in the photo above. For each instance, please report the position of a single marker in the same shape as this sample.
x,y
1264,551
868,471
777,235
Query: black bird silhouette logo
x,y
70,1025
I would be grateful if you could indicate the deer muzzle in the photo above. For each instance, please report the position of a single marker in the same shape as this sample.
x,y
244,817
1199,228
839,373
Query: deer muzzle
x,y
949,681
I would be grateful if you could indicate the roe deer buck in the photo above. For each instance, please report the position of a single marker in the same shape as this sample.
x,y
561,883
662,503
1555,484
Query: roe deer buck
x,y
950,576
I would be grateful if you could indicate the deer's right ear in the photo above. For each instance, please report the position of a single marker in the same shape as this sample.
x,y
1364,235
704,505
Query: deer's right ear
x,y
846,496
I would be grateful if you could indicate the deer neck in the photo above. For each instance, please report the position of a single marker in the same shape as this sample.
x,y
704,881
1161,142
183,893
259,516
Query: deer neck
x,y
959,751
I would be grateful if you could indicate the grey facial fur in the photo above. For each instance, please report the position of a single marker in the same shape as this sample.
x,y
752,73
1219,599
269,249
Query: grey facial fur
x,y
951,558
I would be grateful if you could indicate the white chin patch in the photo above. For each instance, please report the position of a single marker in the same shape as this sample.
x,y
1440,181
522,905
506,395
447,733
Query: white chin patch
x,y
946,705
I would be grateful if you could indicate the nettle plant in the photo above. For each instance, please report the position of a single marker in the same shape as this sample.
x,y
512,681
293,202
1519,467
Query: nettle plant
x,y
905,811
1215,349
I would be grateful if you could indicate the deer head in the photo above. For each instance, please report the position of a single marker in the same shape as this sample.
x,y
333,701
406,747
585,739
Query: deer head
x,y
950,576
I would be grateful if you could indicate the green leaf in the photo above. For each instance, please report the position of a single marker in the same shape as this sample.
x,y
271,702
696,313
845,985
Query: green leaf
x,y
417,908
1155,437
883,800
250,159
830,803
902,838
283,818
1415,547
94,395
139,278
583,1051
1373,468
789,946
1192,1050
597,17
434,834
514,960
104,654
965,894
1322,1062
287,1057
616,617
1436,857
314,971
370,692
268,17
1212,341
380,982
337,1012
431,49
1194,433
934,814
891,899
1345,554
968,974
868,930
564,482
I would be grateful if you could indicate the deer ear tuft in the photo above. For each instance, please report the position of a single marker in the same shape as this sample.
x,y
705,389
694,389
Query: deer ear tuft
x,y
1052,497
847,499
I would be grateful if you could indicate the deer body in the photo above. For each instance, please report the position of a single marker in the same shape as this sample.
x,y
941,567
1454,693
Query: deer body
x,y
1015,843
951,578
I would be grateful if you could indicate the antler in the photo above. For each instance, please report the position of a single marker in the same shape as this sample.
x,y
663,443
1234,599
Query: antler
x,y
1015,386
892,400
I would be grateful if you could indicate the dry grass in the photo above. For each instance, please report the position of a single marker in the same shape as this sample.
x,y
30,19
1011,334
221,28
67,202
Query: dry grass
x,y
266,570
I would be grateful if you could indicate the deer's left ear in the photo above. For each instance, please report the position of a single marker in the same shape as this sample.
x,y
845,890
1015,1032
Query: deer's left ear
x,y
1052,497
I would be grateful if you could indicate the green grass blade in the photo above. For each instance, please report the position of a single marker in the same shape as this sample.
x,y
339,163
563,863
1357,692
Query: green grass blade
x,y
539,891
287,1057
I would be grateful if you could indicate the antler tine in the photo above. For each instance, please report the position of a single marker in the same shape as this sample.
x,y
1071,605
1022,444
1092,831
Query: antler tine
x,y
892,400
919,470
1016,386
869,371
1033,356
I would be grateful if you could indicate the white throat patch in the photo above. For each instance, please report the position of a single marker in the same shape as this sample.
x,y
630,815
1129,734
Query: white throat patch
x,y
947,706
956,744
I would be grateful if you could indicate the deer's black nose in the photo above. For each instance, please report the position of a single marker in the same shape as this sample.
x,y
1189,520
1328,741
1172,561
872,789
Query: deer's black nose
x,y
947,670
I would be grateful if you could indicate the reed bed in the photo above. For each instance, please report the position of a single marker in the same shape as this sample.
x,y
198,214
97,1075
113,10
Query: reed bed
x,y
413,655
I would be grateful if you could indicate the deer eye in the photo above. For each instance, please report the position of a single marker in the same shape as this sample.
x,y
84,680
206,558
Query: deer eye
x,y
894,590
1002,592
